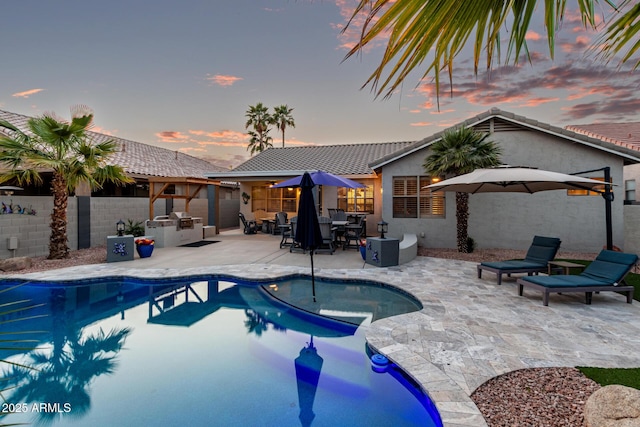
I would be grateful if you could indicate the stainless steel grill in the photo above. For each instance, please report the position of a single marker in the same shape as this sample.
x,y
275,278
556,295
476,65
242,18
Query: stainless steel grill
x,y
183,219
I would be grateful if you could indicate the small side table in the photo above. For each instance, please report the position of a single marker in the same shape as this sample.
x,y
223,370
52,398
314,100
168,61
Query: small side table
x,y
565,266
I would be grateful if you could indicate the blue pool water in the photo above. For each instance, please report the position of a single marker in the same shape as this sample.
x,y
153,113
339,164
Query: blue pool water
x,y
206,352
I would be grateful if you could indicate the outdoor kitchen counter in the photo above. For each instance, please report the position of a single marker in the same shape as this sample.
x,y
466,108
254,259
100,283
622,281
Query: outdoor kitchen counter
x,y
169,230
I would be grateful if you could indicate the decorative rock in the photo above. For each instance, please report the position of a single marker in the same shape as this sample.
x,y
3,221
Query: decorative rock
x,y
613,406
15,264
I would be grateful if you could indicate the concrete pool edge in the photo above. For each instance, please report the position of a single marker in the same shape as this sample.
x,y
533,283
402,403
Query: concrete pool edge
x,y
455,407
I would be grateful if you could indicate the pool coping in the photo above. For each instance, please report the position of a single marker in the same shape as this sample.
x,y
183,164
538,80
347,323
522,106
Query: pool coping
x,y
469,330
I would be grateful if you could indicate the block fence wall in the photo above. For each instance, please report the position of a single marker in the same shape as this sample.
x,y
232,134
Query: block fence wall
x,y
33,231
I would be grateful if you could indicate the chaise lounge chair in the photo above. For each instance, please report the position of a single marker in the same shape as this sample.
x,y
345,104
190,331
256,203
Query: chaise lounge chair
x,y
541,251
605,273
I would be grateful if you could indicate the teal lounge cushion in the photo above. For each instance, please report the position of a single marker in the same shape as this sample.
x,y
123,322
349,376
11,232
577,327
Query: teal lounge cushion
x,y
610,266
514,265
567,281
542,249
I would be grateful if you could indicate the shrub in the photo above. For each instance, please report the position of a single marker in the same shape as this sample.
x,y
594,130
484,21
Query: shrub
x,y
135,228
471,244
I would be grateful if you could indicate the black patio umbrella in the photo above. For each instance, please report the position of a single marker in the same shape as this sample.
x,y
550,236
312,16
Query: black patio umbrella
x,y
308,234
308,365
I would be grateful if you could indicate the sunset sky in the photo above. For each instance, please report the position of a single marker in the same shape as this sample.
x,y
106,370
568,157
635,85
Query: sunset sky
x,y
181,75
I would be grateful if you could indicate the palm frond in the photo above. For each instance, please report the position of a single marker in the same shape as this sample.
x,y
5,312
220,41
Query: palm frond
x,y
429,34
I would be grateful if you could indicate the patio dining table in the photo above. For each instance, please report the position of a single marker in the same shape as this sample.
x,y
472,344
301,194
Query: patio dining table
x,y
267,224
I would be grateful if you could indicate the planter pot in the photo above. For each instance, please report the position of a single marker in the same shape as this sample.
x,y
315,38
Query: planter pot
x,y
144,251
363,252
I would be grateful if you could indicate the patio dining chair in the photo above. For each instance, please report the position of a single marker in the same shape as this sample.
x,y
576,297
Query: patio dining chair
x,y
294,244
353,233
328,234
281,220
339,215
288,232
250,226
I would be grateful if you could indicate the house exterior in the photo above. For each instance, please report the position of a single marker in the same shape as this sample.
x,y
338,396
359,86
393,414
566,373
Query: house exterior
x,y
256,175
92,216
509,220
621,134
394,175
624,135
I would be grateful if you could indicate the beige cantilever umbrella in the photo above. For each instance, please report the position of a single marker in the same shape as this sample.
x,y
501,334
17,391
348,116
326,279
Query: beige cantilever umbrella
x,y
510,179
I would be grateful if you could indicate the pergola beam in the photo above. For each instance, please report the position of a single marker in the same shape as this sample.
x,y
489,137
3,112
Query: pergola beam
x,y
192,188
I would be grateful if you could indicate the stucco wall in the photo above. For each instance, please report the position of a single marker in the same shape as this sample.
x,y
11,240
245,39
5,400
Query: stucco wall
x,y
511,220
631,229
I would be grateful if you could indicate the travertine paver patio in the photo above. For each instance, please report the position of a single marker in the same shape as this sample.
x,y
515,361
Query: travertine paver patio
x,y
469,330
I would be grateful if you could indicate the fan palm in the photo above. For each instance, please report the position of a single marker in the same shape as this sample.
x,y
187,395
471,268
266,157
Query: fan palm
x,y
436,31
64,374
259,119
282,118
53,144
459,152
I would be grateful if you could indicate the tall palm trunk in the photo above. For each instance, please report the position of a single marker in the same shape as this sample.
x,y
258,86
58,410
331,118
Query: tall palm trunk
x,y
462,217
58,248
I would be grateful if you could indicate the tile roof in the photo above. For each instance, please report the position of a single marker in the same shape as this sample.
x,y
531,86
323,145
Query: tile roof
x,y
622,134
349,159
140,159
629,153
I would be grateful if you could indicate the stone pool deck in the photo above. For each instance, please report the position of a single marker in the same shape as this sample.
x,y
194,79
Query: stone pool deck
x,y
470,329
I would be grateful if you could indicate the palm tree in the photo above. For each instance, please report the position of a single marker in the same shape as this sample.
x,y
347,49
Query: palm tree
x,y
259,118
459,152
282,118
420,28
54,144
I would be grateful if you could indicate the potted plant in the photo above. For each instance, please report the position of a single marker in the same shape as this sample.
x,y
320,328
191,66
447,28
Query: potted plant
x,y
363,249
144,247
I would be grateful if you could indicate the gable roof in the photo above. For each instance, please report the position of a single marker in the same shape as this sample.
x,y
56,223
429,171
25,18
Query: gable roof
x,y
136,158
345,160
510,121
622,134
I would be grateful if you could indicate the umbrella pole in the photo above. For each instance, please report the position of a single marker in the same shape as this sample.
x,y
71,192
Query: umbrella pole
x,y
313,277
608,198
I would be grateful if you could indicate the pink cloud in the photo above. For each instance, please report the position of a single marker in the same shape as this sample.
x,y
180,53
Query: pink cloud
x,y
536,102
420,124
223,134
351,37
103,131
172,137
26,93
223,80
533,36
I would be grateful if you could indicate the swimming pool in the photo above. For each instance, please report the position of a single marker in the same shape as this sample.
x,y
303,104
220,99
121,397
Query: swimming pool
x,y
209,351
